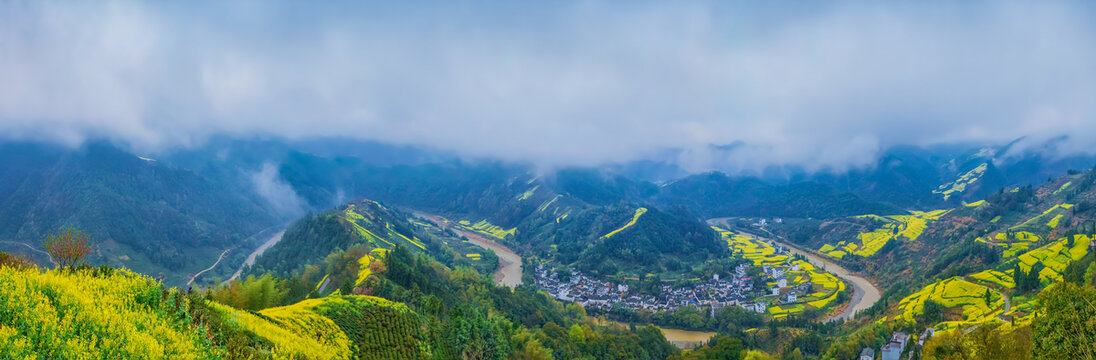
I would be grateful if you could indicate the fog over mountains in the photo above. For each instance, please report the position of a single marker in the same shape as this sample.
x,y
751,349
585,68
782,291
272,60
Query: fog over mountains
x,y
707,85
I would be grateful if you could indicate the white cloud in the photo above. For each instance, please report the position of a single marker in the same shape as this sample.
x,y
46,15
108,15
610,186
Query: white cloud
x,y
279,195
826,87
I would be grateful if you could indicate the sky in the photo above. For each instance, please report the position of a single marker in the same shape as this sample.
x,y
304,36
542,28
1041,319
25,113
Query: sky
x,y
822,86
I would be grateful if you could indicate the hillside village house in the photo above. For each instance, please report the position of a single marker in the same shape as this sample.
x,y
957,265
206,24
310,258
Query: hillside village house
x,y
867,354
893,350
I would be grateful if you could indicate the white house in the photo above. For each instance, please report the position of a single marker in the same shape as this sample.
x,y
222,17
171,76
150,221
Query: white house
x,y
790,298
867,354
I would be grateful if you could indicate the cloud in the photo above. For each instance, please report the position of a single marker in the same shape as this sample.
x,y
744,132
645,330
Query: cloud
x,y
567,83
280,196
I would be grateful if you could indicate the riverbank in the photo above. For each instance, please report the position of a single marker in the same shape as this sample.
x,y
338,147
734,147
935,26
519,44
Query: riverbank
x,y
258,252
509,272
682,339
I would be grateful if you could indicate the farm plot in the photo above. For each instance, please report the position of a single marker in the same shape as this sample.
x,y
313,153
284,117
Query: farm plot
x,y
1001,278
868,243
954,293
1055,256
760,252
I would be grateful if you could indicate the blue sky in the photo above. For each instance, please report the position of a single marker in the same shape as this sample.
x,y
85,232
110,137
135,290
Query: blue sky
x,y
825,86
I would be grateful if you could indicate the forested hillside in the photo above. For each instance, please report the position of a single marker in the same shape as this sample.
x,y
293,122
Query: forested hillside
x,y
147,216
708,195
622,239
973,268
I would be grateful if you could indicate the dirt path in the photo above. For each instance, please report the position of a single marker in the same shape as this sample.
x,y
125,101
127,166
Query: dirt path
x,y
258,252
864,293
211,267
1008,307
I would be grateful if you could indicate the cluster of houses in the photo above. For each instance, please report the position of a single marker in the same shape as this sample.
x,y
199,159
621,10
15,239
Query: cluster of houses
x,y
715,292
592,292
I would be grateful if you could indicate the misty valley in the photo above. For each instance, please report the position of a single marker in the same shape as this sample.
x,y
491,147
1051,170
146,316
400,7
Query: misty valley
x,y
539,180
296,254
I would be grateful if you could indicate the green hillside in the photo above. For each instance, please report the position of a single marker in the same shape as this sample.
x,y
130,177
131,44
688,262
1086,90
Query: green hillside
x,y
719,195
629,239
147,216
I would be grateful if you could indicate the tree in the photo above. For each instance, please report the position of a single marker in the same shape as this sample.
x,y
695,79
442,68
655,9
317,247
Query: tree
x,y
1065,328
14,261
576,335
67,248
932,312
795,355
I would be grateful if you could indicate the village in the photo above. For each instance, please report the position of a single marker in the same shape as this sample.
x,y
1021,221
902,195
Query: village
x,y
715,293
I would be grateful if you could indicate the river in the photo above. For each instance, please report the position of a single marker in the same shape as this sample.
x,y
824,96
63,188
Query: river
x,y
509,272
255,254
864,293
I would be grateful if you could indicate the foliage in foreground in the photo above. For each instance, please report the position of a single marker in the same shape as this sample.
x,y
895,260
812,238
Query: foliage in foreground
x,y
95,313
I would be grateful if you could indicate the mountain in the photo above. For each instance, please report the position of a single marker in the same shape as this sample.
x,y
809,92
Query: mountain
x,y
988,267
719,195
947,175
976,242
634,240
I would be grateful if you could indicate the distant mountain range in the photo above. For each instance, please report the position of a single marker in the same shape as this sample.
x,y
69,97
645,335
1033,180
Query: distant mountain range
x,y
172,214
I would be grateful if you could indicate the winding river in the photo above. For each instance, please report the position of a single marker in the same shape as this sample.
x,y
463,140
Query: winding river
x,y
509,272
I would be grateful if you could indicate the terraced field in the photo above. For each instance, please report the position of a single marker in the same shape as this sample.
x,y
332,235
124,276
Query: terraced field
x,y
639,212
960,184
1055,256
999,278
825,286
760,252
953,293
366,262
486,228
1014,243
336,327
867,244
1049,218
1063,187
362,224
295,330
969,295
